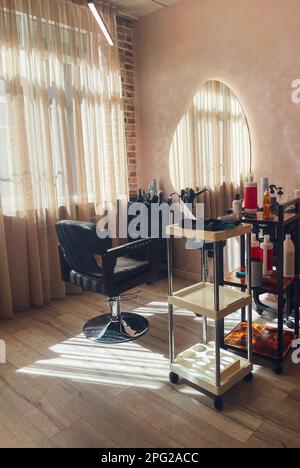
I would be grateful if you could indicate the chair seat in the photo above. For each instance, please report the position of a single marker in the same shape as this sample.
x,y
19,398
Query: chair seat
x,y
125,271
128,267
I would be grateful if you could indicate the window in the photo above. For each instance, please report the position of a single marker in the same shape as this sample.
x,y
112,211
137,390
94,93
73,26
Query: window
x,y
5,169
61,110
211,145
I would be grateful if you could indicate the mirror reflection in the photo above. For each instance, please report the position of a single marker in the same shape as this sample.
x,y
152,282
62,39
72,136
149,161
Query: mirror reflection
x,y
211,146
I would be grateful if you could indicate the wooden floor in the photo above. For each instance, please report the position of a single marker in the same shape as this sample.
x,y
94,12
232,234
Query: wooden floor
x,y
60,390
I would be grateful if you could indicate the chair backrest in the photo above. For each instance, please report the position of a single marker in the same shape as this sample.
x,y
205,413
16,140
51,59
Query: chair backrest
x,y
79,244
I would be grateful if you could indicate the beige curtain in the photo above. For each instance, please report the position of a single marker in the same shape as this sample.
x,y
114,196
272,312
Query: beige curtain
x,y
211,147
62,143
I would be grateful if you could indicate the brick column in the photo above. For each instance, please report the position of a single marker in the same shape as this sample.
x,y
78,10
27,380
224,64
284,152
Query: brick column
x,y
125,38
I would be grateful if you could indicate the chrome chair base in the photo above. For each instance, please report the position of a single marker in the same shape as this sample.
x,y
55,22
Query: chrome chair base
x,y
108,330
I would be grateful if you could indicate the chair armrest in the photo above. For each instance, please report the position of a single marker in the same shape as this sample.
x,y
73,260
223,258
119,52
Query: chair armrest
x,y
109,258
130,248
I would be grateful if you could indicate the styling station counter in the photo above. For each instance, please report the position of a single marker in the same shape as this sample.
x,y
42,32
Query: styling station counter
x,y
213,369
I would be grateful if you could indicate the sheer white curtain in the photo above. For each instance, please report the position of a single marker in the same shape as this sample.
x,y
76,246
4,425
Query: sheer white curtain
x,y
62,139
211,146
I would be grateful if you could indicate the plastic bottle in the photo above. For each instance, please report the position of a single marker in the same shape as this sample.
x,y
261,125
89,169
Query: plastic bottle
x,y
255,248
237,207
250,198
264,185
266,256
140,197
273,194
151,192
154,186
289,257
267,205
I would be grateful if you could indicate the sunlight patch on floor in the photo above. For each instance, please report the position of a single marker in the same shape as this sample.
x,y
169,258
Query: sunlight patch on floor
x,y
124,364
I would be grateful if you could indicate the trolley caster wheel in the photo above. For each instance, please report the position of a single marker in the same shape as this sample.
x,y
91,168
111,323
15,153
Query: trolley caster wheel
x,y
174,378
218,403
259,311
249,377
278,370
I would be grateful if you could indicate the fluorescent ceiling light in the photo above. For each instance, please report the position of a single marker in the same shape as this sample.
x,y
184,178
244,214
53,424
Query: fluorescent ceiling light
x,y
101,23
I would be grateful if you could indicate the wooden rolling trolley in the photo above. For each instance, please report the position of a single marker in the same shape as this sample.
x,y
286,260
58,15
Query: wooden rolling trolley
x,y
213,369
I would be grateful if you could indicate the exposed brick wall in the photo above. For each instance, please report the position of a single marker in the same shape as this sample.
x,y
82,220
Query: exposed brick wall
x,y
125,38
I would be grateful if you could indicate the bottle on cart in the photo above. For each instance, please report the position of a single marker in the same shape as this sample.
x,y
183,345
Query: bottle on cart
x,y
250,198
255,248
140,197
266,256
264,185
273,195
154,186
267,205
288,257
237,207
151,192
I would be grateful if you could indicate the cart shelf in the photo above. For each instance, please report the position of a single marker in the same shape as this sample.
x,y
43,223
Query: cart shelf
x,y
199,299
197,365
208,366
264,341
269,284
207,236
259,218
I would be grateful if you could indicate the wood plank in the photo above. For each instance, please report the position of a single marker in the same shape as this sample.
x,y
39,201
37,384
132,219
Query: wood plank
x,y
200,407
59,389
181,426
81,435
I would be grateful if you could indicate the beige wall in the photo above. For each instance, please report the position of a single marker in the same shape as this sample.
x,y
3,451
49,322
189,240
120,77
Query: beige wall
x,y
251,45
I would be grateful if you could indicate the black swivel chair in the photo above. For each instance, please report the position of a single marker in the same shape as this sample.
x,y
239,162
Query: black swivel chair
x,y
122,268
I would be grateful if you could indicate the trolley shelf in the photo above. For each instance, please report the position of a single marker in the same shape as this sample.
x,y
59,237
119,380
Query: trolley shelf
x,y
264,341
199,299
200,368
208,366
207,236
269,284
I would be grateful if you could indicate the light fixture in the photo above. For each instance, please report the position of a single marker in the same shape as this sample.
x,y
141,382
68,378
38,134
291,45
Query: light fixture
x,y
101,23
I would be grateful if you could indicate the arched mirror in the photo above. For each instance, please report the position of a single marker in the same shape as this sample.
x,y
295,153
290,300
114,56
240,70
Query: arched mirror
x,y
211,146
